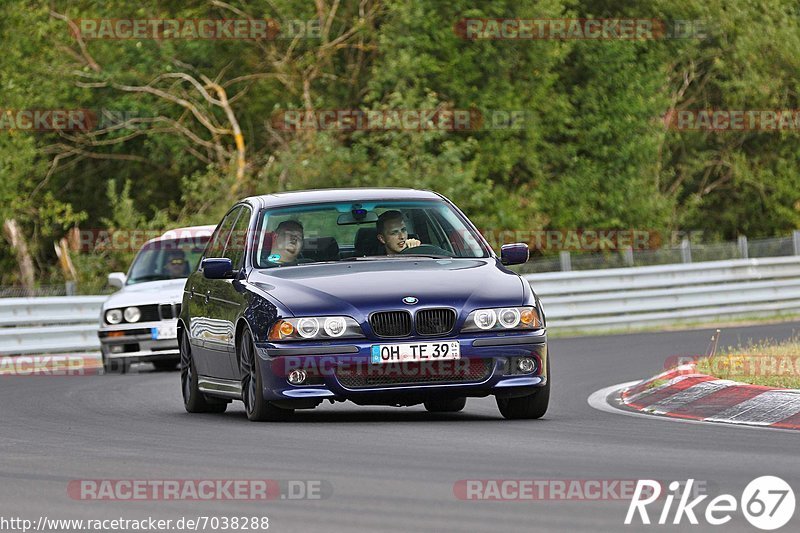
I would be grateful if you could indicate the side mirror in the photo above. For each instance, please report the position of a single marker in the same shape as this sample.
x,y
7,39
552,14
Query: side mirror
x,y
514,254
117,279
217,268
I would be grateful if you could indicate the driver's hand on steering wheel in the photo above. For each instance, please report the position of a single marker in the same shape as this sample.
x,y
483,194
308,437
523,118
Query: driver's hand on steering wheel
x,y
412,243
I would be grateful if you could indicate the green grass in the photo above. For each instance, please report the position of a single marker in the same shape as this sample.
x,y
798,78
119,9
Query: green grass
x,y
767,363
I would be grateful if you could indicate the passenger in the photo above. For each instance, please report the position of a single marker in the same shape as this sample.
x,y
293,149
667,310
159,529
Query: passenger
x,y
288,243
175,264
393,234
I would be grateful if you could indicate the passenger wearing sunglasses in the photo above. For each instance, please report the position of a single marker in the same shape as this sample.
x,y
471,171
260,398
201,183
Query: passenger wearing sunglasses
x,y
175,265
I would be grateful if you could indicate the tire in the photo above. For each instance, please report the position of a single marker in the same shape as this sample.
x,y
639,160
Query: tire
x,y
115,366
527,407
166,365
450,405
194,401
256,407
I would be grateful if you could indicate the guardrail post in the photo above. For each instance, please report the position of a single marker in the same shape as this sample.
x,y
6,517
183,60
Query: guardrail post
x,y
565,260
628,256
69,288
686,251
742,242
796,241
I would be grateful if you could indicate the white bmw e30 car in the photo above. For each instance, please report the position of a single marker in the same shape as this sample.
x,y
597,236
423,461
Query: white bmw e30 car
x,y
138,323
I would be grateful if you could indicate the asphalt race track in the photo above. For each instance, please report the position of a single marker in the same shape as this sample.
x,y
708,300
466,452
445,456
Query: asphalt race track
x,y
390,469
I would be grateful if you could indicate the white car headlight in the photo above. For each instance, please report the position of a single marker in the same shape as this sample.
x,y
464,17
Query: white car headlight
x,y
114,316
503,319
132,314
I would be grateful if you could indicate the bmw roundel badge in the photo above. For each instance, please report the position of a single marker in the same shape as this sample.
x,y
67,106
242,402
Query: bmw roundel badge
x,y
410,300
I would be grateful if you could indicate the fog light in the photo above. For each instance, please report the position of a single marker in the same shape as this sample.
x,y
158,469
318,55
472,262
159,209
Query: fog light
x,y
526,365
297,377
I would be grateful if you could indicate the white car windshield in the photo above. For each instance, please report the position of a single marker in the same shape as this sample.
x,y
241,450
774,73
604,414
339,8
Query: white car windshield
x,y
166,259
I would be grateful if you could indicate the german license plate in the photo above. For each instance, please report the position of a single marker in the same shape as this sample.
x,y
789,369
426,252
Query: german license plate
x,y
167,331
418,351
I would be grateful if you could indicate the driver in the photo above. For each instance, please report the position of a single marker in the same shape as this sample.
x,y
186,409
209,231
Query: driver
x,y
393,234
175,265
288,242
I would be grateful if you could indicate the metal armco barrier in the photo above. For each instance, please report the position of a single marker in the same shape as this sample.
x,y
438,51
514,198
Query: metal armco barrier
x,y
628,298
50,324
590,300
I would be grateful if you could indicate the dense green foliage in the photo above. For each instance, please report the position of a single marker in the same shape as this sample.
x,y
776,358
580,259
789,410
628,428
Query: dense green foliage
x,y
592,152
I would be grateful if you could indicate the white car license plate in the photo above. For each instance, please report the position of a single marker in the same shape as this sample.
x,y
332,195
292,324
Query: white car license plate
x,y
167,331
418,351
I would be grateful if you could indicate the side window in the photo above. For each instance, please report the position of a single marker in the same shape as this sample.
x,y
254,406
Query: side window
x,y
217,246
237,243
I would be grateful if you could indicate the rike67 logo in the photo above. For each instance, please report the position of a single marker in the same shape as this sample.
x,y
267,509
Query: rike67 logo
x,y
767,502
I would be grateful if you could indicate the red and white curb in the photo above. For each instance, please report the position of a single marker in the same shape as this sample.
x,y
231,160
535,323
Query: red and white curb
x,y
684,393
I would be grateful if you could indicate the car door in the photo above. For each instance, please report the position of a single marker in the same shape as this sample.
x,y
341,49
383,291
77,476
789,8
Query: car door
x,y
203,330
219,338
228,295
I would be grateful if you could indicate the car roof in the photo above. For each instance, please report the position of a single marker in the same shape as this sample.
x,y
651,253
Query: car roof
x,y
314,196
189,232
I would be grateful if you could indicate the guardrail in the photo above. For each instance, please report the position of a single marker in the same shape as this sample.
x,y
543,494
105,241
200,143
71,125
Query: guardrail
x,y
589,300
627,298
50,324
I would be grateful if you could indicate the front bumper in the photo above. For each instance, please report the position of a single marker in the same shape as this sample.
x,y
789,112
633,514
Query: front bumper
x,y
136,342
343,371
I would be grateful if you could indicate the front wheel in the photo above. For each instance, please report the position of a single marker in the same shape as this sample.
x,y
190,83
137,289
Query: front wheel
x,y
194,401
256,407
527,407
114,366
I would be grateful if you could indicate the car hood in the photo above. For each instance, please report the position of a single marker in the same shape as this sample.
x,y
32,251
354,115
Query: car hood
x,y
167,291
357,288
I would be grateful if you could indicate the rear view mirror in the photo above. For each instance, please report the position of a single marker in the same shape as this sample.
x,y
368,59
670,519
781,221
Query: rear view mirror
x,y
217,268
350,218
514,254
117,279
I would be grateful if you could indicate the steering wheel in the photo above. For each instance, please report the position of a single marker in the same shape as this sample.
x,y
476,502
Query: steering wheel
x,y
426,249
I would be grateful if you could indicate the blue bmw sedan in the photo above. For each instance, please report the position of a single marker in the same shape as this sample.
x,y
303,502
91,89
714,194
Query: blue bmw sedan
x,y
374,296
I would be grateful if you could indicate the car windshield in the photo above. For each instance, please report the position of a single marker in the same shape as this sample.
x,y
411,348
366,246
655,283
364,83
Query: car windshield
x,y
167,259
369,230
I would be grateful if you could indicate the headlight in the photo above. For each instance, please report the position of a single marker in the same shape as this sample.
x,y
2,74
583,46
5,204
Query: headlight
x,y
315,328
308,327
335,326
503,319
132,314
114,316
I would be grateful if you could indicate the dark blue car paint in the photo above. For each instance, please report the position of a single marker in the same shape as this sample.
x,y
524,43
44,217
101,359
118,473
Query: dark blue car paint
x,y
255,299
